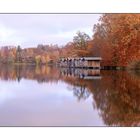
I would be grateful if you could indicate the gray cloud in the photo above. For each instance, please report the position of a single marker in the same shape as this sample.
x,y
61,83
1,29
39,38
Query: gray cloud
x,y
28,30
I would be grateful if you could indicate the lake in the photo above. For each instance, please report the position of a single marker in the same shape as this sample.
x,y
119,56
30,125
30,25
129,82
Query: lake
x,y
50,96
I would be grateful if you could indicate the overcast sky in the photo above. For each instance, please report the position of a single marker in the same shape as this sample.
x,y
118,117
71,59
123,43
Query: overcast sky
x,y
29,30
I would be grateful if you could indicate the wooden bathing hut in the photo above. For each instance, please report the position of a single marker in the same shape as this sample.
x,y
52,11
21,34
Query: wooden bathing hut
x,y
83,62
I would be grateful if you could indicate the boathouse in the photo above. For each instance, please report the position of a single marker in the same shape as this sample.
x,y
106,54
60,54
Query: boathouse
x,y
83,62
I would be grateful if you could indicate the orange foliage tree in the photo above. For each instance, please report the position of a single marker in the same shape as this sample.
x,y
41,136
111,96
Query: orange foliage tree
x,y
118,38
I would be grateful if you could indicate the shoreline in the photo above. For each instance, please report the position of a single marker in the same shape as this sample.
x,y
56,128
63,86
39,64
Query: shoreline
x,y
101,68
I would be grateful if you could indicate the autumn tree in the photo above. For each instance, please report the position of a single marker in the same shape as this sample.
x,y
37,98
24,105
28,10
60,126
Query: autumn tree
x,y
37,59
117,36
116,96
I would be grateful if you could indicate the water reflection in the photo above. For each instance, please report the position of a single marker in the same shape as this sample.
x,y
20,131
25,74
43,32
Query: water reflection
x,y
81,73
115,97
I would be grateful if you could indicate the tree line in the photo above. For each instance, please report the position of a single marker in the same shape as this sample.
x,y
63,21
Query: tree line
x,y
116,38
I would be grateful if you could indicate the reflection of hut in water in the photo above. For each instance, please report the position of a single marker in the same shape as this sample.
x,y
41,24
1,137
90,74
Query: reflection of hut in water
x,y
84,62
81,73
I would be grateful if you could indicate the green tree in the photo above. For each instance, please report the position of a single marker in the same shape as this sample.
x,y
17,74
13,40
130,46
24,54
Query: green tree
x,y
81,40
18,54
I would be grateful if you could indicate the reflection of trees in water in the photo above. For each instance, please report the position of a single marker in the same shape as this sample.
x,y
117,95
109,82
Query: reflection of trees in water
x,y
116,95
81,92
17,72
118,99
134,73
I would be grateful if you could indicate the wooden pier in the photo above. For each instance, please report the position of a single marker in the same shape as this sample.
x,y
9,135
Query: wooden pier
x,y
83,62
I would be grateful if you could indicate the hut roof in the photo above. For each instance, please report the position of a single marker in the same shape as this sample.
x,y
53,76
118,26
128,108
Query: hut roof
x,y
92,58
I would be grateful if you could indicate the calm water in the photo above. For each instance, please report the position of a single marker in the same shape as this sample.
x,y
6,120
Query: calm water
x,y
45,96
